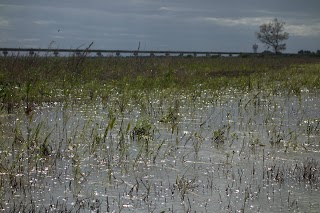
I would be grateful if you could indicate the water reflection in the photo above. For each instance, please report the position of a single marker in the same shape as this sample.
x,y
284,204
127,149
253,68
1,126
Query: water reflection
x,y
234,152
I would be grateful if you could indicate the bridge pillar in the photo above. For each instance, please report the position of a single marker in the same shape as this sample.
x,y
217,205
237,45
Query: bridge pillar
x,y
5,52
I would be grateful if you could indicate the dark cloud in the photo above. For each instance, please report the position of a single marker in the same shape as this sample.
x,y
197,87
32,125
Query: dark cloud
x,y
180,24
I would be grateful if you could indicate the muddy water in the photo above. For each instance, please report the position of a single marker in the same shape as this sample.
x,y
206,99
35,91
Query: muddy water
x,y
209,153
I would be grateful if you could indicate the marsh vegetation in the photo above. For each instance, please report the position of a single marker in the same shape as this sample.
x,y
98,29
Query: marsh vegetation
x,y
166,134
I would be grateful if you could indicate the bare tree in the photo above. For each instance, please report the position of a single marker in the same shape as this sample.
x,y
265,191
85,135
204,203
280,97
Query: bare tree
x,y
272,34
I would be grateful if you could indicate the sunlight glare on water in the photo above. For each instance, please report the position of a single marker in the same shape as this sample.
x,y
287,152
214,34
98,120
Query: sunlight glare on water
x,y
233,152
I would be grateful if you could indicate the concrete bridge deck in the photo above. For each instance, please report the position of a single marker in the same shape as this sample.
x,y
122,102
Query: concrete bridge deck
x,y
100,52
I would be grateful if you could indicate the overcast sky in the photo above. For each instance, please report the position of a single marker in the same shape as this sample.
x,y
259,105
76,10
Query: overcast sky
x,y
196,25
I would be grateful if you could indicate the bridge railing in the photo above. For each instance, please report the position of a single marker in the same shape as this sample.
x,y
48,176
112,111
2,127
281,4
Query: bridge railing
x,y
100,52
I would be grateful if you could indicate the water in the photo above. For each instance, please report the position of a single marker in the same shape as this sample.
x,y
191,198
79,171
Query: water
x,y
231,152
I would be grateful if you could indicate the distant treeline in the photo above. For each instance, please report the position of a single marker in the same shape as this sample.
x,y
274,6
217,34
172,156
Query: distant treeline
x,y
308,52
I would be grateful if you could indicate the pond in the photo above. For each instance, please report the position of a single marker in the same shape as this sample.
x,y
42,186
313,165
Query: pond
x,y
164,152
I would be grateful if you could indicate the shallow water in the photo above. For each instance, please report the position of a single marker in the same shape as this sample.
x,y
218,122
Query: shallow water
x,y
233,152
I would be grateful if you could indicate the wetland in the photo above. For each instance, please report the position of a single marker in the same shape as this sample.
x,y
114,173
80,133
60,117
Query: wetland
x,y
169,134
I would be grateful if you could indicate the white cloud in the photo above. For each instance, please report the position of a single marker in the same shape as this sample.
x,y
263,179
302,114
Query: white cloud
x,y
29,46
4,22
30,40
294,28
251,21
44,22
165,9
57,37
304,30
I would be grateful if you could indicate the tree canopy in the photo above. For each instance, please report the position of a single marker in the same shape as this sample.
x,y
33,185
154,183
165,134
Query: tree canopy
x,y
272,34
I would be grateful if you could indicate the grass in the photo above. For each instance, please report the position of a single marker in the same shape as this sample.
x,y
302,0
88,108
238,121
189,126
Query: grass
x,y
160,134
48,79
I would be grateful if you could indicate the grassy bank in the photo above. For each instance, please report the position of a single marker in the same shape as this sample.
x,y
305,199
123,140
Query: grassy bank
x,y
45,79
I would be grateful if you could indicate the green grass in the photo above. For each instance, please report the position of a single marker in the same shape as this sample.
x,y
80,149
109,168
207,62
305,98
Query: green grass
x,y
145,127
47,79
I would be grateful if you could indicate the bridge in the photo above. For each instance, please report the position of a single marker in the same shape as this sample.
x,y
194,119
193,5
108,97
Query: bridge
x,y
98,52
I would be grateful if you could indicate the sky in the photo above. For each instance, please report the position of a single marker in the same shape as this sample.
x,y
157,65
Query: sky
x,y
176,25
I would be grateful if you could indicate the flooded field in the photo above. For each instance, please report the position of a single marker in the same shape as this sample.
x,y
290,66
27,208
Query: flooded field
x,y
164,151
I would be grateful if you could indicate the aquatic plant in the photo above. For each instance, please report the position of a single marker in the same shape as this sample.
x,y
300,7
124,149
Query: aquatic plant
x,y
159,134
